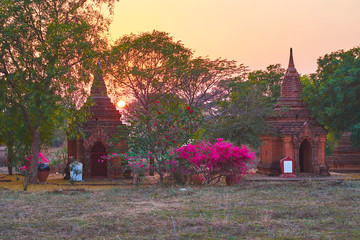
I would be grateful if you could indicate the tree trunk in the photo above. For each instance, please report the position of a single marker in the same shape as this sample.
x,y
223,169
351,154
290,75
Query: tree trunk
x,y
35,149
26,182
161,179
151,171
10,157
10,169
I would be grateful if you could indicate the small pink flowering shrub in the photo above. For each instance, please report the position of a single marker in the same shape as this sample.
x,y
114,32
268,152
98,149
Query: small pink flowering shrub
x,y
25,169
215,160
26,166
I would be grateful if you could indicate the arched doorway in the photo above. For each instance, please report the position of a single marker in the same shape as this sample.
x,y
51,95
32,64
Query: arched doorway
x,y
305,157
98,169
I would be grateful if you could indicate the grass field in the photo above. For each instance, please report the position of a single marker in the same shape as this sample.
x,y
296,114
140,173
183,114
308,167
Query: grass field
x,y
251,210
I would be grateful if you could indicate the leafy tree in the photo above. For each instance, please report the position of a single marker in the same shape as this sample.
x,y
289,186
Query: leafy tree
x,y
149,66
269,81
204,82
245,115
332,93
47,50
251,100
142,67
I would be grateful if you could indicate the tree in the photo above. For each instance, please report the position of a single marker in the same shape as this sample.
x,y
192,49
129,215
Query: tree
x,y
47,49
332,93
149,66
269,81
252,97
142,67
152,67
204,82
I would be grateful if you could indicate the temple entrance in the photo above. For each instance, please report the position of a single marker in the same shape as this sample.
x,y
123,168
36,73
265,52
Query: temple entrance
x,y
98,169
305,157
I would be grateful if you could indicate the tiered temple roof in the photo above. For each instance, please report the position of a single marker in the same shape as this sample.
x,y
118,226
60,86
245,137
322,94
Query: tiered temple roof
x,y
102,109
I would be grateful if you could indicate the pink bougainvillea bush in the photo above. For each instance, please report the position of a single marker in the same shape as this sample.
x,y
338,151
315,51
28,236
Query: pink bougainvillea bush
x,y
215,160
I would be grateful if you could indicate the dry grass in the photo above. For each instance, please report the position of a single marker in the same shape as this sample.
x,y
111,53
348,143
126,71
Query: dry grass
x,y
56,182
251,210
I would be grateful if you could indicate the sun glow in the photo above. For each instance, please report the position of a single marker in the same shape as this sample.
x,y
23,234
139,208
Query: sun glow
x,y
121,103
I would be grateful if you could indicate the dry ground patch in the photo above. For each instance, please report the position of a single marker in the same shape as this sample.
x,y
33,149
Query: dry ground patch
x,y
251,210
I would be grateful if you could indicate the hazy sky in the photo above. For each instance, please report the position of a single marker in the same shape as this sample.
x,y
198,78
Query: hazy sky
x,y
253,32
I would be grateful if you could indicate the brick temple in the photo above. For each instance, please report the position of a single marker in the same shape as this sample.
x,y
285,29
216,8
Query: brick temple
x,y
297,134
345,158
98,129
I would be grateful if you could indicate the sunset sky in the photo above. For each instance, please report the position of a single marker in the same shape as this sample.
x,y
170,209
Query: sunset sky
x,y
253,32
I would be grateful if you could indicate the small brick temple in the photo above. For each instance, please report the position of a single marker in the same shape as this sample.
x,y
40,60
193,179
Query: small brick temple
x,y
99,128
297,135
345,158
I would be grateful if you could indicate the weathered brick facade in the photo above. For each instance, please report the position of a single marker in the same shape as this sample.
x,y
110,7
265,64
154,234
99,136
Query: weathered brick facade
x,y
98,129
345,158
297,135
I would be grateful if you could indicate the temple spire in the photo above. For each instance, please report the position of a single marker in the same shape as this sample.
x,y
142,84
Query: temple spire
x,y
291,85
291,60
102,107
98,87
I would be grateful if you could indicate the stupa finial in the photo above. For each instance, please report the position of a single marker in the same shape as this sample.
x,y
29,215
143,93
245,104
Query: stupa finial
x,y
291,60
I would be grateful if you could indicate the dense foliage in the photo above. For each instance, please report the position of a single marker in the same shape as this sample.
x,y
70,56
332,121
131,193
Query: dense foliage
x,y
251,100
333,92
143,67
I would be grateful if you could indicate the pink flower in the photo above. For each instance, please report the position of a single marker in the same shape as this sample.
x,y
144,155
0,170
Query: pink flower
x,y
220,158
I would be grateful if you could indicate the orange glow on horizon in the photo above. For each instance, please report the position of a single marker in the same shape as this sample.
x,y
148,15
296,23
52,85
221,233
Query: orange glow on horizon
x,y
254,33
